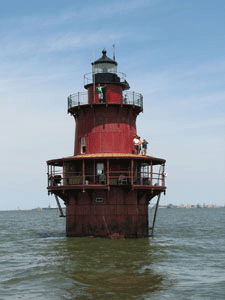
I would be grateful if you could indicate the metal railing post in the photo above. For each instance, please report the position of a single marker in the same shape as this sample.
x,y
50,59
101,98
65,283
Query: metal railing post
x,y
48,175
107,180
83,172
151,174
69,101
132,172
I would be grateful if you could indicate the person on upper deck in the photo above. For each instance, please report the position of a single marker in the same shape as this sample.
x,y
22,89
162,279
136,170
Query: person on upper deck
x,y
144,147
135,140
100,93
139,145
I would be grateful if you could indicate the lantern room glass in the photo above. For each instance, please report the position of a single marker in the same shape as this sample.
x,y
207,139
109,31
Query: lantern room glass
x,y
104,68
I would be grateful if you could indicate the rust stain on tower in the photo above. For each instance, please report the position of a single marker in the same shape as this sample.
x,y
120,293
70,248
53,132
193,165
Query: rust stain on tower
x,y
106,185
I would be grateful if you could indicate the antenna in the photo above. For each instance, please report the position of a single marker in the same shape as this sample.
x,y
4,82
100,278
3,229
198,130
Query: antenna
x,y
113,51
93,77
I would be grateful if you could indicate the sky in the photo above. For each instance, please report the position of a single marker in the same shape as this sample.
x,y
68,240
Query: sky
x,y
172,53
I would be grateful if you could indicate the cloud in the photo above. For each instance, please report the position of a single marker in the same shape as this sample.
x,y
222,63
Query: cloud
x,y
79,15
56,42
68,30
72,40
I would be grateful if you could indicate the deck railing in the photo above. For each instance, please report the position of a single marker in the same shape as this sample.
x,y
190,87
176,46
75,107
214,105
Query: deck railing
x,y
81,98
112,178
133,98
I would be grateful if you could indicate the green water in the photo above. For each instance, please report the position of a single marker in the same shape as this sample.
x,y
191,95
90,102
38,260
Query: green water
x,y
185,259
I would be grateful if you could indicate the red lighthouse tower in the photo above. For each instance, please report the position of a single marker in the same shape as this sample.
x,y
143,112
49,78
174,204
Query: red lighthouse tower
x,y
106,186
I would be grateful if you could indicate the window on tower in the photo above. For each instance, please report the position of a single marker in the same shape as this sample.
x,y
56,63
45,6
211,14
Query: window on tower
x,y
83,145
99,200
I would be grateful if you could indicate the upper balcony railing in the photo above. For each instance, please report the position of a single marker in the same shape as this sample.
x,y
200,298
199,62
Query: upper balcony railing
x,y
81,98
89,77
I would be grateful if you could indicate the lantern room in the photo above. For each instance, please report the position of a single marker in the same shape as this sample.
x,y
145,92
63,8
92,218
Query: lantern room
x,y
104,65
104,70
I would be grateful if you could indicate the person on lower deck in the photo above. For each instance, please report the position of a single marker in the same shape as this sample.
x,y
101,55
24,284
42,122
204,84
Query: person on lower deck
x,y
102,178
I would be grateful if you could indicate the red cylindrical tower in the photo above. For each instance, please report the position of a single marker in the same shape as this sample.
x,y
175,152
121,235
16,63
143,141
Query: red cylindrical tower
x,y
106,186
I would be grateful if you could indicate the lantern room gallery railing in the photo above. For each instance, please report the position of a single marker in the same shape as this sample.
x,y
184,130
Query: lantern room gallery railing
x,y
81,98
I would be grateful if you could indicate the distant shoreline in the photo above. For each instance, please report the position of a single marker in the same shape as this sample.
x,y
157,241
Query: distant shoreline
x,y
169,206
188,206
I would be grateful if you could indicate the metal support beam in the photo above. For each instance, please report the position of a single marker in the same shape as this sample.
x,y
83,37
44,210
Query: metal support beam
x,y
156,209
59,206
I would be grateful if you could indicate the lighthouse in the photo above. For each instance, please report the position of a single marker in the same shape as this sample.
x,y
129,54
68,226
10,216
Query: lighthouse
x,y
106,184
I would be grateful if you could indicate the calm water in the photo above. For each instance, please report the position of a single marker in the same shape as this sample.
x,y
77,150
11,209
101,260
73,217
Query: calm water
x,y
185,259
